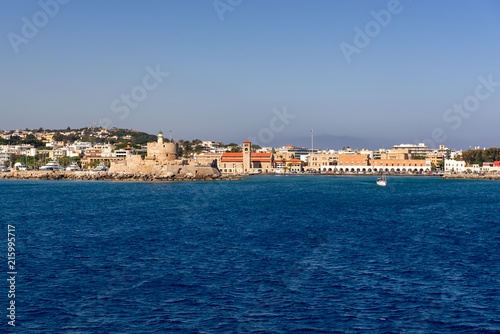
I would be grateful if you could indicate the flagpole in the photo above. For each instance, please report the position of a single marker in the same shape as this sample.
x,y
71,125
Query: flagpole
x,y
312,147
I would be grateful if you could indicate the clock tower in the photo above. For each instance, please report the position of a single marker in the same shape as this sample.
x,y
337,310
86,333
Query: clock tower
x,y
247,156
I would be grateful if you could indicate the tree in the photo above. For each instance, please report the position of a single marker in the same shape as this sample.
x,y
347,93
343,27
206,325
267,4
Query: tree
x,y
236,149
58,136
14,140
188,147
66,161
32,140
480,156
26,160
256,147
93,164
198,149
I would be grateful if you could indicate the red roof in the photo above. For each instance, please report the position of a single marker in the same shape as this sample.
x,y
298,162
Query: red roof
x,y
247,141
254,155
238,157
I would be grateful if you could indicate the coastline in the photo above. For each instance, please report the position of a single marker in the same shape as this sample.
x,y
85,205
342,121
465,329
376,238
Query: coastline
x,y
352,175
111,176
471,177
171,177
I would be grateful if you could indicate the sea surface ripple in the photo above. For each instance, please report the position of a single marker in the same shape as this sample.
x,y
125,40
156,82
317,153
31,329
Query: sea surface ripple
x,y
270,254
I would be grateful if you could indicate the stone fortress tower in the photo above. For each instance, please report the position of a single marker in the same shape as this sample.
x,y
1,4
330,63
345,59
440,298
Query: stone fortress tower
x,y
162,160
162,152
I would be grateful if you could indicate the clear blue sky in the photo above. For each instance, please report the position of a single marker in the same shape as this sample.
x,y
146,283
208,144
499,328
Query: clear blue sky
x,y
227,76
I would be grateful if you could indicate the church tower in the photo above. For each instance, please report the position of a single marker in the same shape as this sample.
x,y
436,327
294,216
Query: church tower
x,y
247,156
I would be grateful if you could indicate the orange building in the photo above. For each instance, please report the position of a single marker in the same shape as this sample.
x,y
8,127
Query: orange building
x,y
246,161
400,165
353,162
292,165
362,163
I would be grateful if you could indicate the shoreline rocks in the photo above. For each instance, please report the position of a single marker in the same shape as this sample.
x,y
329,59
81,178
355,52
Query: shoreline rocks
x,y
471,177
112,176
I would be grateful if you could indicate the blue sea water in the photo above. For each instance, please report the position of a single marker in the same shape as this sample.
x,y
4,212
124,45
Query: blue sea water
x,y
270,254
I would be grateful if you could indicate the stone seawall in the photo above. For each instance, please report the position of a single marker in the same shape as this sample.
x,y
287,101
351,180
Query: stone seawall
x,y
471,176
205,175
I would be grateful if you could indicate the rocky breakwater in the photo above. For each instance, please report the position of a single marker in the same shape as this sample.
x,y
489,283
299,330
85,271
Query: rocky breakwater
x,y
471,176
206,175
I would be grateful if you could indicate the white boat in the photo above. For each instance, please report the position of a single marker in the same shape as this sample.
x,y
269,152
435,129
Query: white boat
x,y
382,181
52,165
73,167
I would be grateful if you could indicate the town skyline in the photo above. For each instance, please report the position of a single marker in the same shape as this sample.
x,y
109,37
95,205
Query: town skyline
x,y
360,74
306,140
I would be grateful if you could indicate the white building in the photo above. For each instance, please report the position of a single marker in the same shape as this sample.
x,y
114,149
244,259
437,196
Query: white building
x,y
455,154
454,166
4,156
125,152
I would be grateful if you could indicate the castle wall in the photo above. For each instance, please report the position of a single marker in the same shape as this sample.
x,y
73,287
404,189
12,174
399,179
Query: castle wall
x,y
162,151
135,164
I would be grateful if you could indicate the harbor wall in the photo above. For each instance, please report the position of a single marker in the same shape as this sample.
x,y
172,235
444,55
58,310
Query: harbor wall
x,y
471,176
172,173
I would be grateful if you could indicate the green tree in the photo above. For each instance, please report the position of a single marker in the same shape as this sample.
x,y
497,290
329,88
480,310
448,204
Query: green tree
x,y
14,140
480,156
198,149
66,161
256,147
32,140
25,160
93,164
236,149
